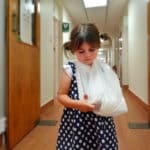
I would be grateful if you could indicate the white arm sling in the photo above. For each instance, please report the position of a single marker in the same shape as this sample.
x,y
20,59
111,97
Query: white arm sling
x,y
102,86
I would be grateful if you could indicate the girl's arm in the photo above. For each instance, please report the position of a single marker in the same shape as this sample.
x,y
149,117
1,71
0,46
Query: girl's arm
x,y
65,100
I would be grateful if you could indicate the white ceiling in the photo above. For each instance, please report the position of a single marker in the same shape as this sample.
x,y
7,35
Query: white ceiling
x,y
107,18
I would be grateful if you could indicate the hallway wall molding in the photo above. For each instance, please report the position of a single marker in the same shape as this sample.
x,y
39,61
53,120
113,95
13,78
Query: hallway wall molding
x,y
125,86
47,105
140,102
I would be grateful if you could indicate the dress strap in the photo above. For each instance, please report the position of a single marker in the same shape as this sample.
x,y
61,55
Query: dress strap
x,y
72,65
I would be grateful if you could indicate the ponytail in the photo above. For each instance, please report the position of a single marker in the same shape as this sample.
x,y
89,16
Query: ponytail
x,y
67,49
67,46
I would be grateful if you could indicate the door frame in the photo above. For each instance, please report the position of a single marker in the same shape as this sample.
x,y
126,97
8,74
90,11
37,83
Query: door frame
x,y
56,54
148,41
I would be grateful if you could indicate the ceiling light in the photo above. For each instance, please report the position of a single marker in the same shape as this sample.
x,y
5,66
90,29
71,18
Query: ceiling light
x,y
94,3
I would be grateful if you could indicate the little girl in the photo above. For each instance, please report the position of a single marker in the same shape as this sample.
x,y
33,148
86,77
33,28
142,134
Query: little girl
x,y
80,127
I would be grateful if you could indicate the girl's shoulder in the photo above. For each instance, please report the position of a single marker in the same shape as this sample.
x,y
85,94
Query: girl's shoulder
x,y
69,64
69,67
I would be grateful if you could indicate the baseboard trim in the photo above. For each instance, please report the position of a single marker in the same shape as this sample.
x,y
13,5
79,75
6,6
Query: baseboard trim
x,y
146,107
125,86
45,106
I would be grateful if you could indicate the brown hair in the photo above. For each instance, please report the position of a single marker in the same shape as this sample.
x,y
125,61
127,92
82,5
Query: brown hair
x,y
83,33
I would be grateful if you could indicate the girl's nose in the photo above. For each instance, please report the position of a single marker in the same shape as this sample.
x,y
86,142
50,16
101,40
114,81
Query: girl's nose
x,y
87,54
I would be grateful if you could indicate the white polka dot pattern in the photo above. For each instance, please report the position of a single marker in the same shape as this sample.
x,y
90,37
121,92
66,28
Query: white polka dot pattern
x,y
85,131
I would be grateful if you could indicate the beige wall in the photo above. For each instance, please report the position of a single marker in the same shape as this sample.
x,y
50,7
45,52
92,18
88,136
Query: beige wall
x,y
137,48
66,35
116,52
113,53
125,51
47,8
58,9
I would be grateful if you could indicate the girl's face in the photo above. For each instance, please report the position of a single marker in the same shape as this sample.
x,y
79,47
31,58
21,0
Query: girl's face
x,y
86,54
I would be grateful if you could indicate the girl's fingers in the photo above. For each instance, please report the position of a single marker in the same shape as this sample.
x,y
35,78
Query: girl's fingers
x,y
85,107
91,107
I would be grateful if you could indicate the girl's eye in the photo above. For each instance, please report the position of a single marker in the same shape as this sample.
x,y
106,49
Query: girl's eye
x,y
81,52
92,49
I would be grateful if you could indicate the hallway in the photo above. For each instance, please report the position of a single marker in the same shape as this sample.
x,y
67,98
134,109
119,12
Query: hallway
x,y
44,137
30,67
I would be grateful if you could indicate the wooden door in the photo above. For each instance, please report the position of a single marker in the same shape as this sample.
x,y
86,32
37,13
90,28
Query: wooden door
x,y
23,80
148,25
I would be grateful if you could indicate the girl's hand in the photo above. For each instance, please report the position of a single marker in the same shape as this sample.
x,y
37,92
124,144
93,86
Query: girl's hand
x,y
84,106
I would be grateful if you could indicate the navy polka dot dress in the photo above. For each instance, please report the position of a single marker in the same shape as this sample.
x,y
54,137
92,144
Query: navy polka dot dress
x,y
85,131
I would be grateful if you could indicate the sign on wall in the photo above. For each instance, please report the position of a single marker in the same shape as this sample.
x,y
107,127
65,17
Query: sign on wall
x,y
65,27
